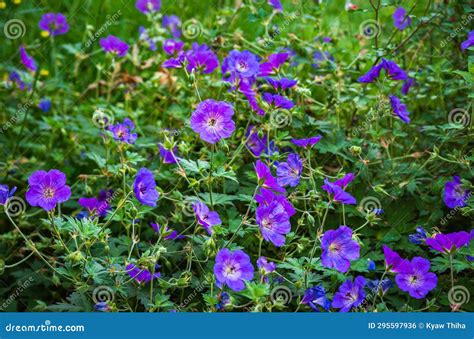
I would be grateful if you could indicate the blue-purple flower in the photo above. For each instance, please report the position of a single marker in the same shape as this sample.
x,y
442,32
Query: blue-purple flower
x,y
392,70
172,22
407,85
278,101
289,172
350,294
454,194
144,187
394,263
143,35
97,206
47,189
205,217
265,177
44,105
172,47
307,142
6,193
266,267
336,189
148,6
15,78
54,23
419,280
27,60
400,18
114,45
399,109
255,144
233,269
450,242
123,131
240,65
141,275
201,58
168,233
168,156
275,61
274,222
283,83
339,249
315,297
322,57
469,42
212,120
418,237
276,4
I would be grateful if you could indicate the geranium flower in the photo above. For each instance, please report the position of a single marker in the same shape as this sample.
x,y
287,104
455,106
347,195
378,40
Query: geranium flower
x,y
469,42
240,65
450,242
407,85
307,142
148,6
399,109
289,172
233,269
400,18
418,281
172,47
213,120
265,177
339,249
393,262
143,35
27,60
6,193
320,58
168,156
123,131
266,267
14,78
454,194
316,296
393,71
172,22
44,105
336,189
283,83
114,45
266,197
377,285
201,58
274,222
275,61
350,294
144,187
172,234
54,23
276,4
255,144
418,237
141,275
278,101
98,206
205,217
47,189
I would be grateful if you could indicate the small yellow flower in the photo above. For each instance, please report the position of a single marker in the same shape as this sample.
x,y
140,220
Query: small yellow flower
x,y
44,34
3,5
17,2
44,72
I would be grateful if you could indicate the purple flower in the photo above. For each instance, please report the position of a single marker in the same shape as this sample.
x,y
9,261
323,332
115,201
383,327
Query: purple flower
x,y
450,242
266,197
266,267
399,109
205,217
274,222
400,18
114,45
168,156
15,78
144,187
201,58
321,57
419,280
276,4
175,62
339,249
393,71
350,294
123,131
282,83
240,65
336,189
213,120
47,189
26,60
454,194
172,22
245,87
44,105
233,269
6,193
54,23
278,101
393,262
102,306
407,85
316,296
169,234
265,177
172,47
98,206
273,64
255,144
141,276
418,237
327,39
148,6
469,42
307,142
372,74
371,265
289,173
143,35
377,285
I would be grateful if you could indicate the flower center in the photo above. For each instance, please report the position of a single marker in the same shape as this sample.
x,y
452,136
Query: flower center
x,y
48,193
242,66
212,122
266,223
334,248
